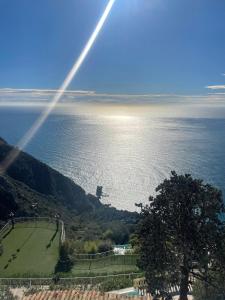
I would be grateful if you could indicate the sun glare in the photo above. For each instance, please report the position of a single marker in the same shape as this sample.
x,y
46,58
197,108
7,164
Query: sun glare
x,y
121,118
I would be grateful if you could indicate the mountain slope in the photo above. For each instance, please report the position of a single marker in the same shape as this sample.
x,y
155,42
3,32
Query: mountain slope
x,y
45,180
30,188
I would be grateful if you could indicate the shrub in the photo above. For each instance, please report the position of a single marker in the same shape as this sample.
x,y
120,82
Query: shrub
x,y
115,284
104,246
90,247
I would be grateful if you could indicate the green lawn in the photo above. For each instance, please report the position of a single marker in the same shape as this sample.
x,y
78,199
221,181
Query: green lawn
x,y
27,249
29,252
107,265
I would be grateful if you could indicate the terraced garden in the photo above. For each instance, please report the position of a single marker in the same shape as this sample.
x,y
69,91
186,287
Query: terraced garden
x,y
31,249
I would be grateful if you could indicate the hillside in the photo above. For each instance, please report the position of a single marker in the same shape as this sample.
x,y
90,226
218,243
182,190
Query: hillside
x,y
29,181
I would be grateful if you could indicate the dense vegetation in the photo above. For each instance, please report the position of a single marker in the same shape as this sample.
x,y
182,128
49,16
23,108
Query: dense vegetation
x,y
182,234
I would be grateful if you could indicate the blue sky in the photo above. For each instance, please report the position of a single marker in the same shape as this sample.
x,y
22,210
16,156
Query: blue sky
x,y
146,46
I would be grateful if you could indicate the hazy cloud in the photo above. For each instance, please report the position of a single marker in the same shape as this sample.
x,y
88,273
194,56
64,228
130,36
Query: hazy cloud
x,y
41,97
216,87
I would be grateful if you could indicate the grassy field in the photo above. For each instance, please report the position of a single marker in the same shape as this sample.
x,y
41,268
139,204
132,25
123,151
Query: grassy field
x,y
29,248
107,265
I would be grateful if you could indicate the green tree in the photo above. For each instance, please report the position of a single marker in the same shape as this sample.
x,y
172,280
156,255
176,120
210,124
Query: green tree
x,y
65,262
105,246
181,233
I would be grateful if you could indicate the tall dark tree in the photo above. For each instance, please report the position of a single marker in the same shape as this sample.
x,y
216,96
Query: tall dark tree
x,y
181,233
65,262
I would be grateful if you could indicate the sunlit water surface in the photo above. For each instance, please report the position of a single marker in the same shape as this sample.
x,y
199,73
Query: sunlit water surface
x,y
128,155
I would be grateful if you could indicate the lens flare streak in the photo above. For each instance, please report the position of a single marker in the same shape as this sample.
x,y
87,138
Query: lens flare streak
x,y
70,76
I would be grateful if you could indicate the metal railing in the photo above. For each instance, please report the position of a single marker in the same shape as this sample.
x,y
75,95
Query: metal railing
x,y
65,281
4,229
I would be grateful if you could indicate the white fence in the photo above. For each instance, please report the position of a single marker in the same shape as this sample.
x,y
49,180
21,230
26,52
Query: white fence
x,y
63,232
4,229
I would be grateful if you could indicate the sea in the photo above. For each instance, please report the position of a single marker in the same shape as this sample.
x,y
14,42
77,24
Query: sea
x,y
129,156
